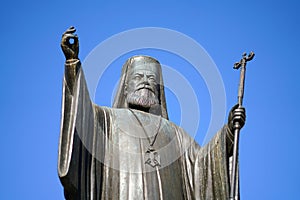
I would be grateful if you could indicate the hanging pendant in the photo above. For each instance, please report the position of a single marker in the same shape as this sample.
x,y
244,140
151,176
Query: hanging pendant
x,y
152,157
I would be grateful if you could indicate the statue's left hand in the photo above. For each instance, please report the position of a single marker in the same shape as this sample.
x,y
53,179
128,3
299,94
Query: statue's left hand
x,y
237,114
70,44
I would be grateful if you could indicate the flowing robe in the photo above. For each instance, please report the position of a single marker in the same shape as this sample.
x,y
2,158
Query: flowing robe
x,y
102,153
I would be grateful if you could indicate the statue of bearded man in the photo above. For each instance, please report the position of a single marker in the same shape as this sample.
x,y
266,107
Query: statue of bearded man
x,y
132,150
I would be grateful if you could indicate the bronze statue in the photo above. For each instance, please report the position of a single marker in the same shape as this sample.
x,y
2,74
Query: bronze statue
x,y
132,150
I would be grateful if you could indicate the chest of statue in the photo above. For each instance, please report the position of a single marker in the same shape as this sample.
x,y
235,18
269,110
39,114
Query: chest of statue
x,y
149,139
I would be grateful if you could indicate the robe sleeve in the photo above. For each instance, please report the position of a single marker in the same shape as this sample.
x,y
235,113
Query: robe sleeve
x,y
207,168
76,135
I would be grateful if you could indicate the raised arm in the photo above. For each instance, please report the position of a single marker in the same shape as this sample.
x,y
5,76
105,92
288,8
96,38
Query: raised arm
x,y
70,47
77,123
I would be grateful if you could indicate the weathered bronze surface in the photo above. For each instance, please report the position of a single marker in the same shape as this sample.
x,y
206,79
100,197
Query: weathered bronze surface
x,y
132,150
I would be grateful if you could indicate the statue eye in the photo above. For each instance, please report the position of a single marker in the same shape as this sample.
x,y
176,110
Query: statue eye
x,y
137,76
151,78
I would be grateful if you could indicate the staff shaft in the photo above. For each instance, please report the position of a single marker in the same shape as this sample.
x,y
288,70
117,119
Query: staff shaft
x,y
233,188
237,126
241,85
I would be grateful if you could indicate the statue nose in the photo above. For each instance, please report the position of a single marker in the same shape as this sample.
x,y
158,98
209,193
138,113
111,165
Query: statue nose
x,y
145,80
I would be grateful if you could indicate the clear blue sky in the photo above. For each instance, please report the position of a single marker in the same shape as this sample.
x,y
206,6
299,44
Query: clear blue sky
x,y
33,66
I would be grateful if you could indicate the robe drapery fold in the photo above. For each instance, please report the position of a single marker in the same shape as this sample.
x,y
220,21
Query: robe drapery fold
x,y
101,158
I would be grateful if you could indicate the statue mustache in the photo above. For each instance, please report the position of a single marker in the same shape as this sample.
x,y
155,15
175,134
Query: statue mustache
x,y
144,86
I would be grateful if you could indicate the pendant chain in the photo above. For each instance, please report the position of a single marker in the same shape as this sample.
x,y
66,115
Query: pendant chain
x,y
155,136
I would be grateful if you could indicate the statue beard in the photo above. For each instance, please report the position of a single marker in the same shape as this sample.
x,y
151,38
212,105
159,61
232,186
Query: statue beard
x,y
143,97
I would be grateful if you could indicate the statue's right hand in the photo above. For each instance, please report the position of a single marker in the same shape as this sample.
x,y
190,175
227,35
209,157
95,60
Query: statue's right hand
x,y
70,44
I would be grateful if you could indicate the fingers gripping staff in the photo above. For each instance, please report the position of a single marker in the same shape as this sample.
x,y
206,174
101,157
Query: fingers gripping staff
x,y
238,122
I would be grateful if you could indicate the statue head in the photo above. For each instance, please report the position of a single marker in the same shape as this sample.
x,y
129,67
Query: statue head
x,y
141,86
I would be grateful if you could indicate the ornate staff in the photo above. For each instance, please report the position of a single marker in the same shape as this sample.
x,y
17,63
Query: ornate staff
x,y
237,126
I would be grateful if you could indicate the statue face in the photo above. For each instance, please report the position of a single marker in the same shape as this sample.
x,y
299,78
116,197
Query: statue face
x,y
142,85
